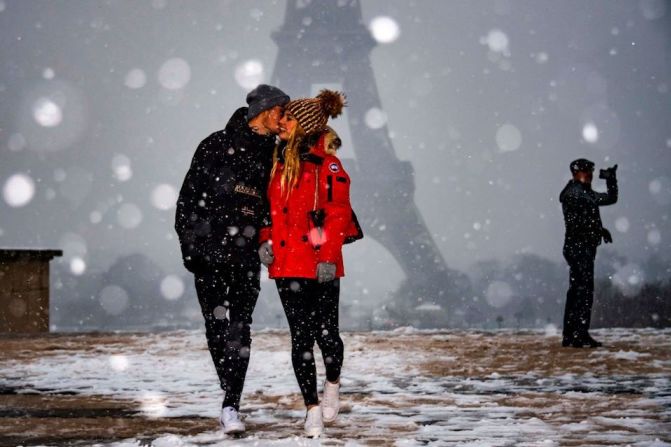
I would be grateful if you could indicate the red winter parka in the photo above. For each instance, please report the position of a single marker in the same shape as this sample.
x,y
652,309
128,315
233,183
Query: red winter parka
x,y
297,244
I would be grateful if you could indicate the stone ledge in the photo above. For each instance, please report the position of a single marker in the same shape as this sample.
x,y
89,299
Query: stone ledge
x,y
14,254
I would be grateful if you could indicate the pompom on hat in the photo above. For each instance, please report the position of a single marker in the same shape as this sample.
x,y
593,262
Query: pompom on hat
x,y
313,113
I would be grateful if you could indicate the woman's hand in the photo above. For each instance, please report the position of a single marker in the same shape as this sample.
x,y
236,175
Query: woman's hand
x,y
326,271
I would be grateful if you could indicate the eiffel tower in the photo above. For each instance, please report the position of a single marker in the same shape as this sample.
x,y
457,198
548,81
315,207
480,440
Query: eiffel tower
x,y
326,42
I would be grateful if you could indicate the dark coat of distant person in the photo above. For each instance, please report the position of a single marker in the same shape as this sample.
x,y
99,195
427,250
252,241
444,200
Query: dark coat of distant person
x,y
580,204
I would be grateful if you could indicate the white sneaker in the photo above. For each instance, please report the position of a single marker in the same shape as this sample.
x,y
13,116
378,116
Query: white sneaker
x,y
313,422
330,401
230,421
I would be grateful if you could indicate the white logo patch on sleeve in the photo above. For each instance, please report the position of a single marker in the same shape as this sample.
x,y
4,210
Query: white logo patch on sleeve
x,y
333,167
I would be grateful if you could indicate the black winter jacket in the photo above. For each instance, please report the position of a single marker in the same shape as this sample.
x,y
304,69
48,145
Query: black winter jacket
x,y
222,203
580,204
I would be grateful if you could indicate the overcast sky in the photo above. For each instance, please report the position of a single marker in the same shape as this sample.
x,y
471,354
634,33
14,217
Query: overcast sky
x,y
102,104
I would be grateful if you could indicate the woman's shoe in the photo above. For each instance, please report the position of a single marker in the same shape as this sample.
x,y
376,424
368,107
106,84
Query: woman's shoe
x,y
330,401
314,426
230,421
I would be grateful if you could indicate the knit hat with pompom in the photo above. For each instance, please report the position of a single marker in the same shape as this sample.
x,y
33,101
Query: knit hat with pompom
x,y
313,113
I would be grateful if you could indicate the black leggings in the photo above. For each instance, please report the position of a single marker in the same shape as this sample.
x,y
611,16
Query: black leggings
x,y
227,299
312,312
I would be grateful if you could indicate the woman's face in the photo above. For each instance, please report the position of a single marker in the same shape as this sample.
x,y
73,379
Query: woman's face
x,y
287,126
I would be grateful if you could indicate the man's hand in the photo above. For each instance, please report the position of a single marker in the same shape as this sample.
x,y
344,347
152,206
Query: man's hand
x,y
326,271
605,234
266,254
609,173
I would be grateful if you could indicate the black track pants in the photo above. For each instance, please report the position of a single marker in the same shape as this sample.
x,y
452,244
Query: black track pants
x,y
312,312
580,295
227,299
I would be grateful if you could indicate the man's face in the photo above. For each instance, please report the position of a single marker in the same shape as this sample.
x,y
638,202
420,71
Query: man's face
x,y
584,177
287,126
271,119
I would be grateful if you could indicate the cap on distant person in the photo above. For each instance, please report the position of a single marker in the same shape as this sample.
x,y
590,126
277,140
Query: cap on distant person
x,y
581,165
264,97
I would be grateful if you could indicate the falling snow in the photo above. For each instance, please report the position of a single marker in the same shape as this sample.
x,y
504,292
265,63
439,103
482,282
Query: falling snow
x,y
135,78
174,74
18,190
384,29
249,74
484,108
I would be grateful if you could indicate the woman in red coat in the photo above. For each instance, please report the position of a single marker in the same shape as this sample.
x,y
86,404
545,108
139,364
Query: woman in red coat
x,y
311,217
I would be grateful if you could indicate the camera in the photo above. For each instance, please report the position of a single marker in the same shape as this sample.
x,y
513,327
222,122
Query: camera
x,y
608,173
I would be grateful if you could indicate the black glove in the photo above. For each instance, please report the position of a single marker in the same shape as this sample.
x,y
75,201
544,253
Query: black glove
x,y
608,174
266,253
607,238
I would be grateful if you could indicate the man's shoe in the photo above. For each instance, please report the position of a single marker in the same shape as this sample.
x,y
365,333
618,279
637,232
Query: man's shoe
x,y
313,422
573,342
230,421
589,341
581,342
330,401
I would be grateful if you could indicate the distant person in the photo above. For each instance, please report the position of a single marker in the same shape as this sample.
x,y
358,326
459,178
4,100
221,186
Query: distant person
x,y
311,220
584,232
220,211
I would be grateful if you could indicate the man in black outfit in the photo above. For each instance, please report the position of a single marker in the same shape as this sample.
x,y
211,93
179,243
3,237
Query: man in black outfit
x,y
584,232
221,207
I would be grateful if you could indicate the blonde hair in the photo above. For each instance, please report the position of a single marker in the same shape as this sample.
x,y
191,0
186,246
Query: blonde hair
x,y
292,162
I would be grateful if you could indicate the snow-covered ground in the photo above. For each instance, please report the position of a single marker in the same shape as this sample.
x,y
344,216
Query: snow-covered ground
x,y
404,388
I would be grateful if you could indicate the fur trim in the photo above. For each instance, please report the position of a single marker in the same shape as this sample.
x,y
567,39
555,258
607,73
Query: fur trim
x,y
332,102
332,141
